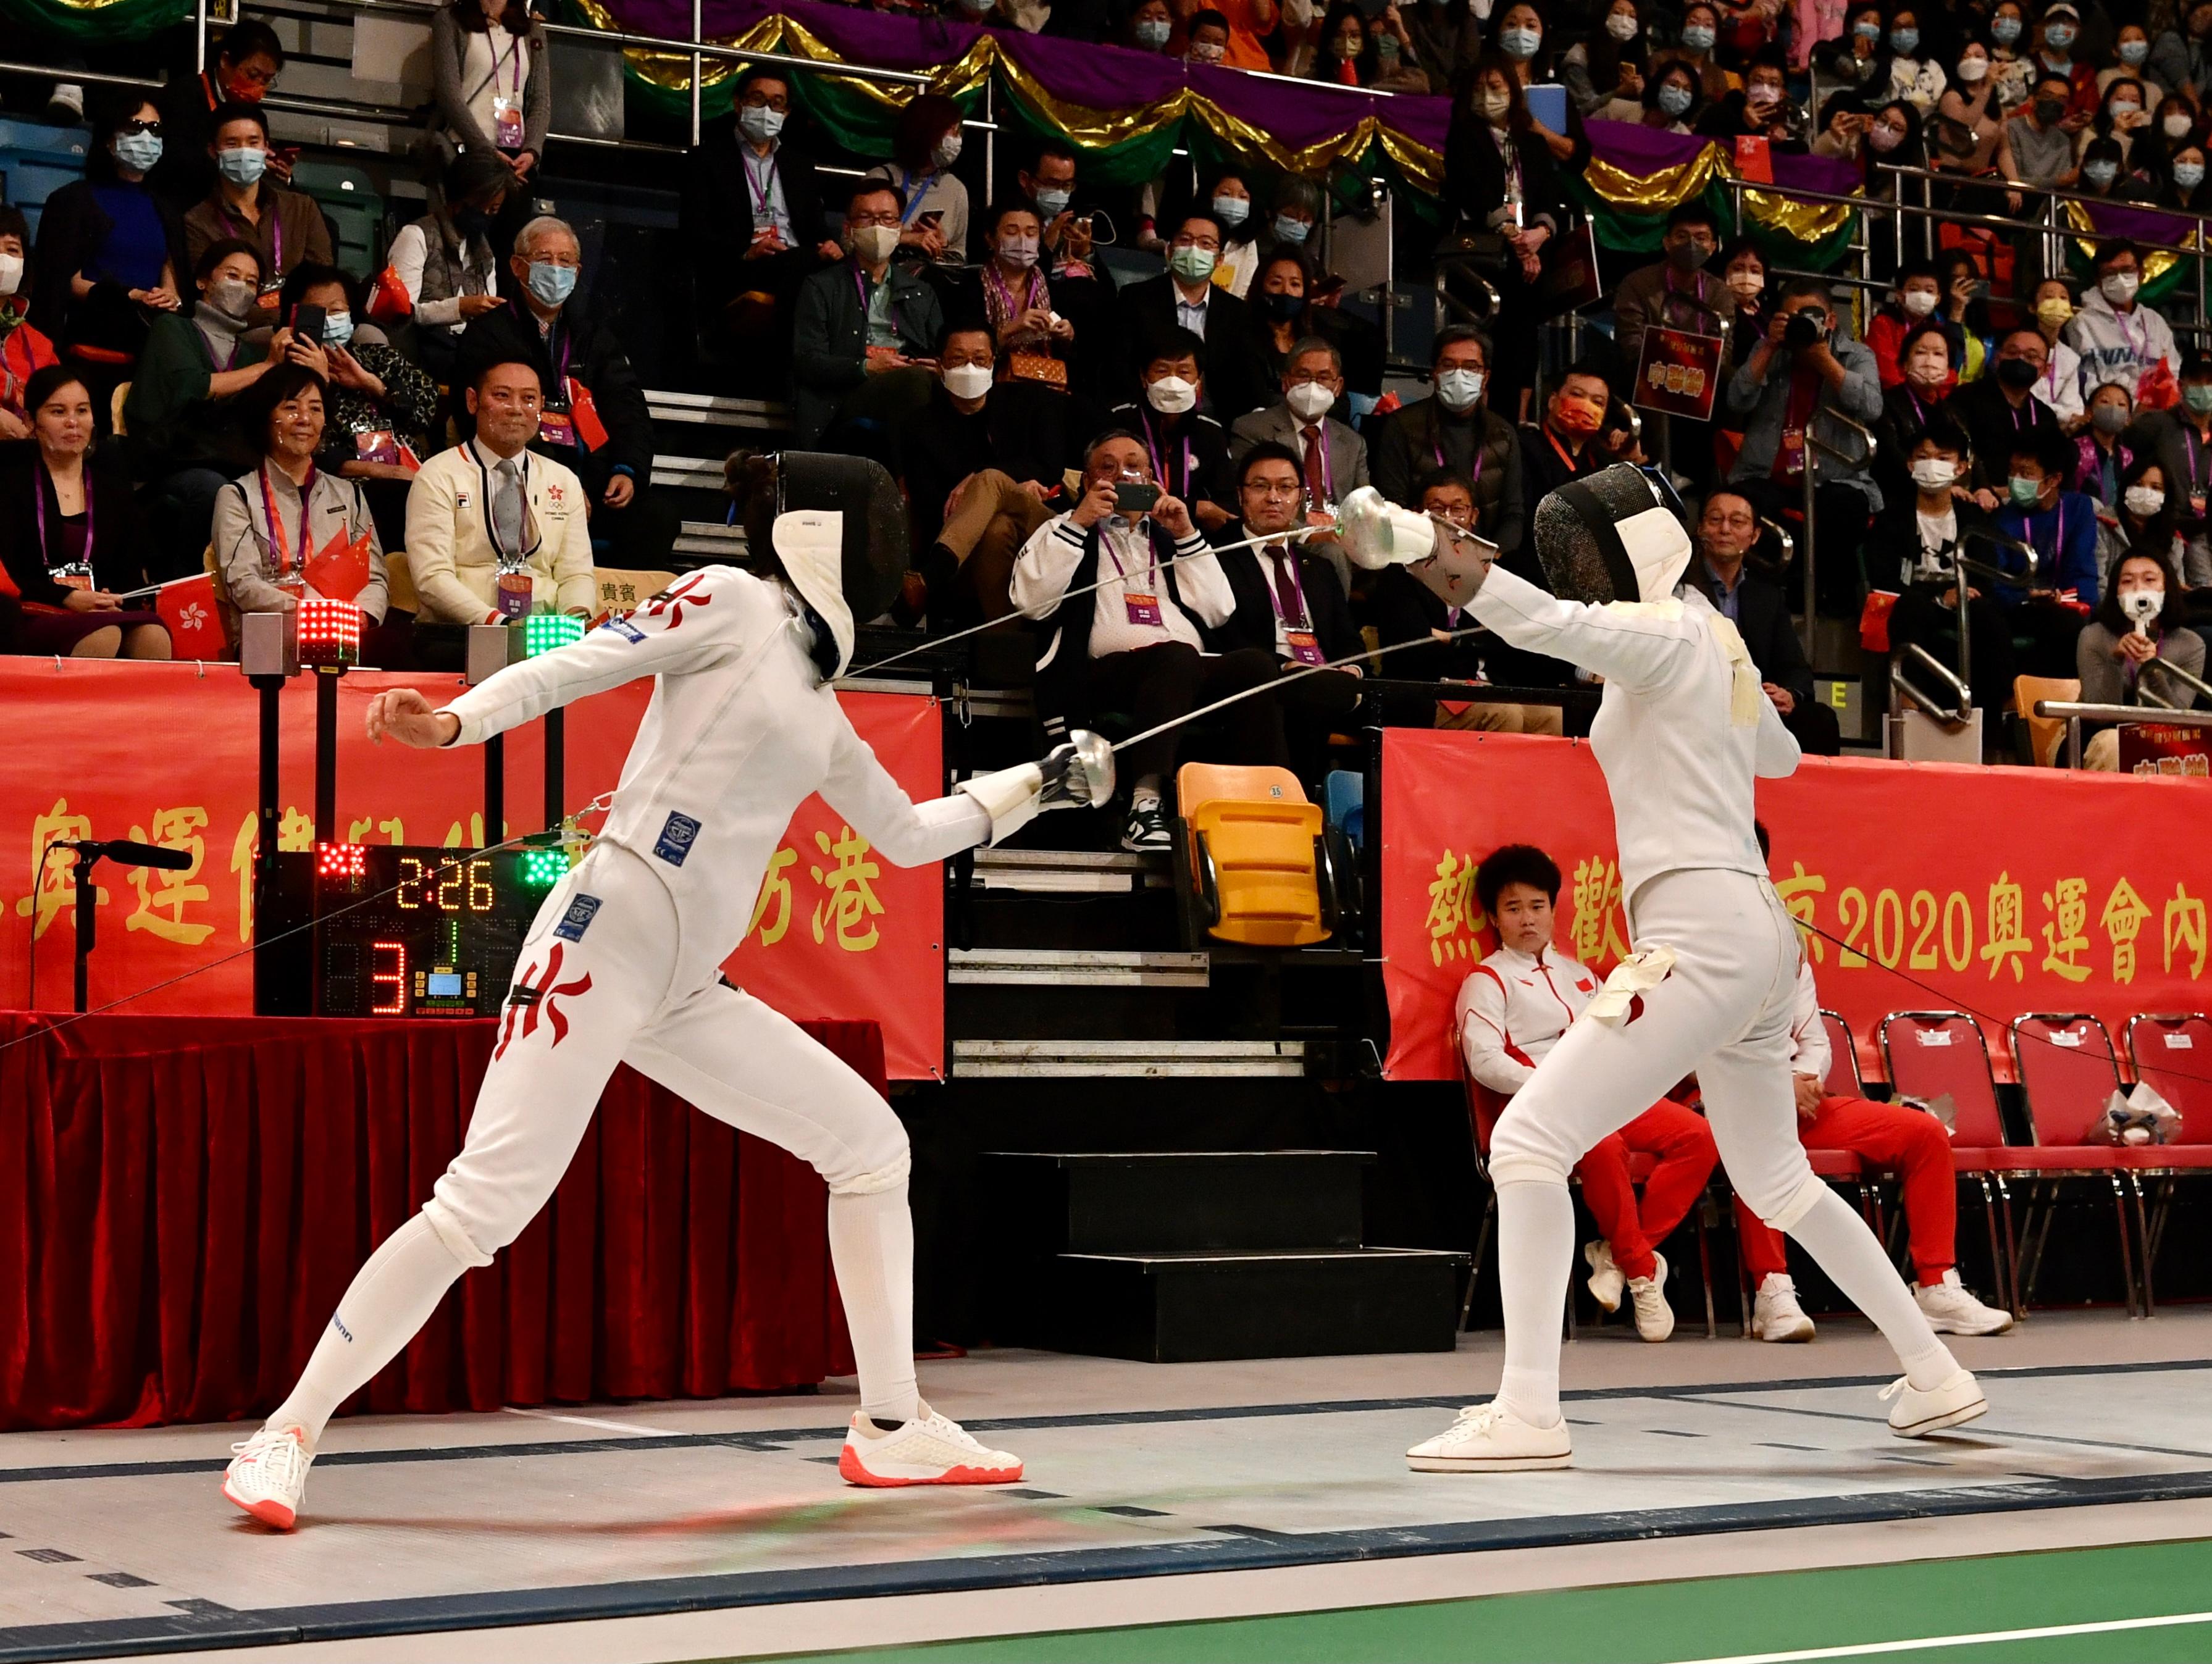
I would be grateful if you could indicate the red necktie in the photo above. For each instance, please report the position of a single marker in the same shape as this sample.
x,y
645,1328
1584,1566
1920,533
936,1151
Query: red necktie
x,y
1316,473
1286,590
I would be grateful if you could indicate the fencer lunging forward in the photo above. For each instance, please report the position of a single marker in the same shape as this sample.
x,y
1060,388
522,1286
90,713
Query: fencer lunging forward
x,y
621,963
1682,729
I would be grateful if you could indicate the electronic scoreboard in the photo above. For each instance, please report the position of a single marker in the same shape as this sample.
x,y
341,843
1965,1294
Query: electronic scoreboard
x,y
411,930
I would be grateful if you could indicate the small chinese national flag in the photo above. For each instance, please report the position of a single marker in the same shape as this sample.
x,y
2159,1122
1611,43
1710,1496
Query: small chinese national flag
x,y
340,570
188,608
1753,160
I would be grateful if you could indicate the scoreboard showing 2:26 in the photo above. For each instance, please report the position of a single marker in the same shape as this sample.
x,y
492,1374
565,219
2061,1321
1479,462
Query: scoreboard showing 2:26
x,y
442,935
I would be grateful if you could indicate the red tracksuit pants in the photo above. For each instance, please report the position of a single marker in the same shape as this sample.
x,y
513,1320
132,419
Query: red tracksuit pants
x,y
1684,1145
1888,1136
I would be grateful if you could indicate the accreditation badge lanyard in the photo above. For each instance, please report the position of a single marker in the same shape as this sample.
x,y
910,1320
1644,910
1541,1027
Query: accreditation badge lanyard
x,y
1143,607
1159,469
509,560
890,304
507,108
1298,635
69,574
760,186
1437,444
289,566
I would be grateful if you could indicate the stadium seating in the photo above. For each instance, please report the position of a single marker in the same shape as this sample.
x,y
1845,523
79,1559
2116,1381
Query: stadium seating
x,y
1257,861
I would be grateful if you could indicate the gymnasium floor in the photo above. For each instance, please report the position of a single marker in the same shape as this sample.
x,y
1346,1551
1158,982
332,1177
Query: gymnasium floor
x,y
1728,1500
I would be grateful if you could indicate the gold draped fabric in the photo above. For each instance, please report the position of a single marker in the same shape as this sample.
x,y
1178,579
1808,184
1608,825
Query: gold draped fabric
x,y
2156,262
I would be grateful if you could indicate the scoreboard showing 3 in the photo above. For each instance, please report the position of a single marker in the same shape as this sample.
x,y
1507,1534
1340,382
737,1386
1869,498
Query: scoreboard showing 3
x,y
439,939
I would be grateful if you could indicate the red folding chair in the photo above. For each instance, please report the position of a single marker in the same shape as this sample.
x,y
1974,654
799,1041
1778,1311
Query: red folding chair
x,y
2065,1064
1929,1053
1844,1080
1484,1106
2174,1055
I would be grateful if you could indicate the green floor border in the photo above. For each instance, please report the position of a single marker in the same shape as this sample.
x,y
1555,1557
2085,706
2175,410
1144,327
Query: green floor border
x,y
1708,1618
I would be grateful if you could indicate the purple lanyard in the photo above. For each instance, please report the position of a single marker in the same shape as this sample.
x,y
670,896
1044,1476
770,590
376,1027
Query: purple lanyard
x,y
1437,443
861,288
516,58
1159,471
1305,620
2058,544
39,498
760,192
1152,566
283,560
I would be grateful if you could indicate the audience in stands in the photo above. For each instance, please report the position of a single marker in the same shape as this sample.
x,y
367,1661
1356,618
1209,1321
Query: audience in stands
x,y
1290,604
2116,651
1447,37
380,408
2183,439
1134,648
1743,269
1916,547
593,421
283,227
1694,50
24,348
2059,386
1564,447
111,252
2102,456
863,321
70,536
2181,58
1726,532
178,411
1014,297
1454,429
1761,111
2002,404
2119,338
242,66
494,529
494,87
1502,179
1669,103
2142,519
933,211
274,525
1609,64
1189,448
754,208
1185,296
1279,303
1969,128
443,265
1331,457
2058,575
1677,292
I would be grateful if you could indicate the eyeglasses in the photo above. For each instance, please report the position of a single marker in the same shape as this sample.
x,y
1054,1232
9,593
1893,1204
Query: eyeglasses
x,y
135,125
1184,239
256,77
871,218
1308,378
776,102
1271,489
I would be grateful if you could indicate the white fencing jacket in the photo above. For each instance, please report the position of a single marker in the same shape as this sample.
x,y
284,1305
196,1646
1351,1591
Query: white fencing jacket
x,y
740,732
1678,765
1511,1010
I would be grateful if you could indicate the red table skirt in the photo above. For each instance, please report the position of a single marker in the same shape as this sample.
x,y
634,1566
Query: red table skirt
x,y
183,1199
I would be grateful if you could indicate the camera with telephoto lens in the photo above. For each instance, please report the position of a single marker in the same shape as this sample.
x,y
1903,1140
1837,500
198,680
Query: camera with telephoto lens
x,y
1804,328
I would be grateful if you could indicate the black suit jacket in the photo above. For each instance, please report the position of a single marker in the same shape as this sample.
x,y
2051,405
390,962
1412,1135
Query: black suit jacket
x,y
1763,620
1251,575
719,209
595,358
1235,381
1025,431
1990,422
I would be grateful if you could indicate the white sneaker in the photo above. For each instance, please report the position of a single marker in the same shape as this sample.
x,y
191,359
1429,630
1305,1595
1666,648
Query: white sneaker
x,y
1915,1414
1606,1279
1951,1309
1489,1438
1774,1313
931,1449
1654,1318
268,1476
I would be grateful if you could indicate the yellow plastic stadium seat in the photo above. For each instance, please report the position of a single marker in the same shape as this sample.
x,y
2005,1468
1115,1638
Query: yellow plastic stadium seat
x,y
620,591
2045,733
399,582
1251,852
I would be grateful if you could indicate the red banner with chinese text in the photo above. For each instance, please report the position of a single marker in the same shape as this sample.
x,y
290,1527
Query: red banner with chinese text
x,y
166,753
2002,890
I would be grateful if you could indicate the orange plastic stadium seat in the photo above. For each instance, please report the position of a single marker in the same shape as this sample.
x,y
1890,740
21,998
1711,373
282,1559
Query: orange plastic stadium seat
x,y
1251,850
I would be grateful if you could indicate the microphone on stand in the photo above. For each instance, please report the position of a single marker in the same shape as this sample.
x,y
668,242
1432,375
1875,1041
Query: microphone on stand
x,y
126,851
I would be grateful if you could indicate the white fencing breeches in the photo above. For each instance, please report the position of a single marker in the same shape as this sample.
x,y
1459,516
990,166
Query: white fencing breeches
x,y
1722,1013
591,989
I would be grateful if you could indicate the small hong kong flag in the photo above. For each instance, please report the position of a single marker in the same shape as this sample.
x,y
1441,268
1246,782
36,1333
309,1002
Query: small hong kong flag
x,y
339,570
188,608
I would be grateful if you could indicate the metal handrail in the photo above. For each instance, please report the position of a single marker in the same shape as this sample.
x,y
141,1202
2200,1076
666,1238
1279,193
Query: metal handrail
x,y
2195,683
44,70
2071,710
1964,712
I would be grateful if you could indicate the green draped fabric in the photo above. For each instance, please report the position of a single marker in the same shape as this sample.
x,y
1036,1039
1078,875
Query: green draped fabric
x,y
1640,233
119,20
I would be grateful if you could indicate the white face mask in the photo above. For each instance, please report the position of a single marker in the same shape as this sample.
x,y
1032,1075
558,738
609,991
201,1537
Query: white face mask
x,y
1170,395
1935,473
2143,500
1459,388
874,244
11,273
1207,52
1018,250
1971,70
1621,25
2120,287
2177,126
1309,401
947,151
1493,106
1747,285
968,380
1918,303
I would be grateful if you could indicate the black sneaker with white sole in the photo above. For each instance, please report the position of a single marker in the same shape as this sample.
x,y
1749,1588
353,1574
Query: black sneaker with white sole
x,y
1147,832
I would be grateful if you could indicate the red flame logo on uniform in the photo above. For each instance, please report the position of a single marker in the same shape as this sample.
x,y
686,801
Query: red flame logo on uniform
x,y
674,599
528,998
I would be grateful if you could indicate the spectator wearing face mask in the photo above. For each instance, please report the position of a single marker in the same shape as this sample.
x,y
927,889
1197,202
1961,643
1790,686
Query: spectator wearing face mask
x,y
1610,64
1844,120
2057,35
1914,549
2126,116
2104,173
1743,270
1762,110
2102,453
1917,400
860,321
24,349
284,227
1454,429
2182,441
1914,74
753,216
2041,143
1295,209
1970,118
932,201
1237,213
1278,303
2181,59
1150,25
2059,527
1189,450
2001,404
1860,56
1331,457
1917,300
2119,338
1816,23
443,262
979,461
1895,135
2131,62
2183,187
1011,291
1502,182
1207,36
1246,26
1522,44
2009,65
1447,36
1800,368
1679,291
1695,48
2060,385
1185,296
2116,649
1728,531
1564,447
242,67
2146,516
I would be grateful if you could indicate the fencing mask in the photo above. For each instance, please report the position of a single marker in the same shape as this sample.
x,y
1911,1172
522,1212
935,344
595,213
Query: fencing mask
x,y
1616,535
1378,532
836,526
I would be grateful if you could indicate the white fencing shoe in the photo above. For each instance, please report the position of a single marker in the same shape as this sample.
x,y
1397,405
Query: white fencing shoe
x,y
1915,1414
1774,1313
931,1449
1654,1318
1489,1438
1951,1309
268,1476
1607,1279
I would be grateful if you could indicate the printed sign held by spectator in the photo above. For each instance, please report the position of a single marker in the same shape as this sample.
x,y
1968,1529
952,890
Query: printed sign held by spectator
x,y
1679,373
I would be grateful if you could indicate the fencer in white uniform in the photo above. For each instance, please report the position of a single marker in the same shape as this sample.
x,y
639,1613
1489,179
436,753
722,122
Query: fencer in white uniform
x,y
620,965
1683,730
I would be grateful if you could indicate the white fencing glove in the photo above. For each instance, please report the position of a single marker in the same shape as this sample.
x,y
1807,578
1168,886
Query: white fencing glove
x,y
1077,773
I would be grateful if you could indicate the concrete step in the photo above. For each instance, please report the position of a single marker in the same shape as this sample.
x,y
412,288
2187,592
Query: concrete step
x,y
1055,968
1127,1060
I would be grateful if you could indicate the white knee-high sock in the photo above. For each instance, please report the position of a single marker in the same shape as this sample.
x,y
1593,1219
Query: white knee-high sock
x,y
1838,1239
392,1298
1535,1250
871,1246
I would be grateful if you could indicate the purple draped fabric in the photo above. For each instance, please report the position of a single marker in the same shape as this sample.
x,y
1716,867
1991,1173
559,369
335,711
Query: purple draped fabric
x,y
1642,151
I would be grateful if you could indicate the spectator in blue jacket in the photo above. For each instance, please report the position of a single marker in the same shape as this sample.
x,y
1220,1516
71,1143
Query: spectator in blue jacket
x,y
2058,575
